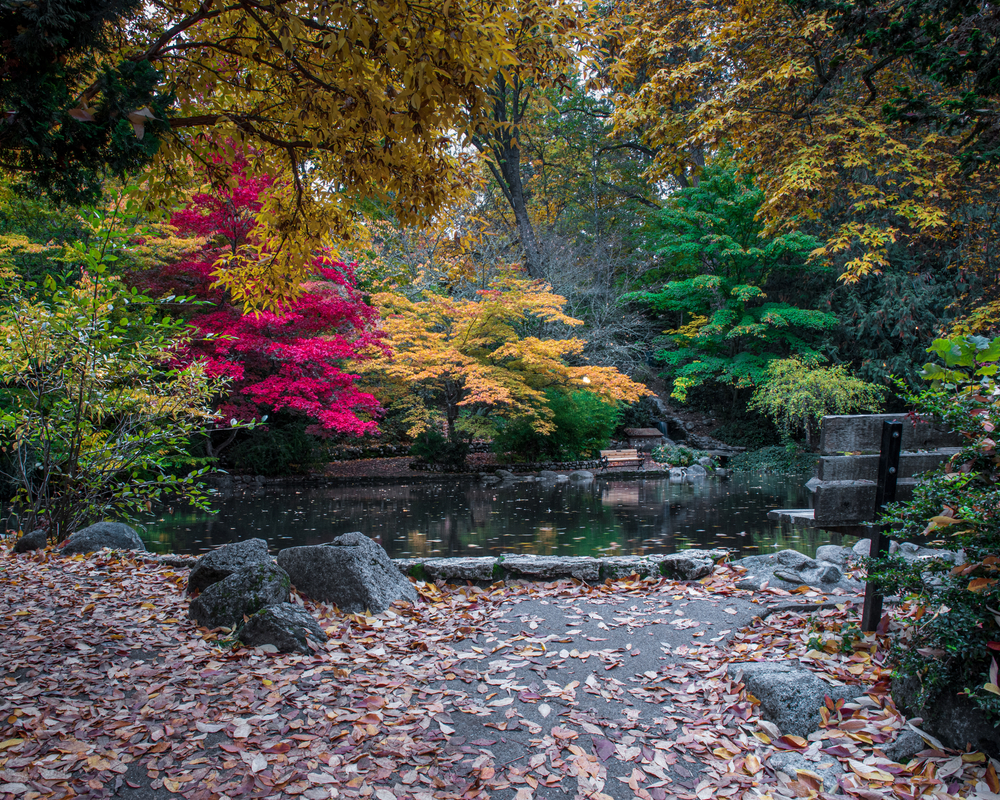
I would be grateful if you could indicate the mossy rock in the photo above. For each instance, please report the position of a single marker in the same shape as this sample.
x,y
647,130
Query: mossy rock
x,y
244,593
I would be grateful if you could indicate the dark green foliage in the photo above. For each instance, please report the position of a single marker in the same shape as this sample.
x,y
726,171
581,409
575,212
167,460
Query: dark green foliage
x,y
583,426
779,460
281,448
55,53
887,322
433,447
640,414
753,432
733,295
954,645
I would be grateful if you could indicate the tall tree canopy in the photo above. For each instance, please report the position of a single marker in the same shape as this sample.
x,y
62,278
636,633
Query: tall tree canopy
x,y
799,93
339,100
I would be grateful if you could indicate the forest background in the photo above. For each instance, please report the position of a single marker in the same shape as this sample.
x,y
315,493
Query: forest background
x,y
374,223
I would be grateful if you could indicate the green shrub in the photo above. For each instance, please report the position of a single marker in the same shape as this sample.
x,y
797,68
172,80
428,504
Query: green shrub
x,y
674,456
796,395
753,432
582,426
778,460
281,448
433,447
956,643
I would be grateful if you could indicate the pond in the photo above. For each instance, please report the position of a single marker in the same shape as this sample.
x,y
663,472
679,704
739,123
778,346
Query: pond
x,y
463,517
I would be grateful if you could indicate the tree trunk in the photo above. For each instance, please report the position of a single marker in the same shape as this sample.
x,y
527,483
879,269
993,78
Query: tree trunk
x,y
502,143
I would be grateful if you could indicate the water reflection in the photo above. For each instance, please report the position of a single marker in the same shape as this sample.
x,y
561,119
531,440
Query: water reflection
x,y
463,517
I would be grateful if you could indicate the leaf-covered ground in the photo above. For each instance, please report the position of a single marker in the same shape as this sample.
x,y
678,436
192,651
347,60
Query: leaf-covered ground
x,y
523,692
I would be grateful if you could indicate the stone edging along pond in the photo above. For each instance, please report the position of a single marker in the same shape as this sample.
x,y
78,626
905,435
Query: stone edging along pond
x,y
688,565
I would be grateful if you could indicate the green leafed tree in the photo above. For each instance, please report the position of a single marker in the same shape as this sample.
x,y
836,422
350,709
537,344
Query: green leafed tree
x,y
736,297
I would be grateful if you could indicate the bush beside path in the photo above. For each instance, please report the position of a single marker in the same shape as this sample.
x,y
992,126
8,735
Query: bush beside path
x,y
619,690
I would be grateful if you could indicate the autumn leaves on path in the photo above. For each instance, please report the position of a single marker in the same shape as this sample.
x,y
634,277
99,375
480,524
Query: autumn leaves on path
x,y
517,692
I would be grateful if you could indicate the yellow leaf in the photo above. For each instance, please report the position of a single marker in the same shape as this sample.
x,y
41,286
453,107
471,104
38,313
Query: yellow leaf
x,y
10,743
752,764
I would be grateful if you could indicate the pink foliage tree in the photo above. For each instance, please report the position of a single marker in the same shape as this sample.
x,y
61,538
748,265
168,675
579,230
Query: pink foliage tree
x,y
290,361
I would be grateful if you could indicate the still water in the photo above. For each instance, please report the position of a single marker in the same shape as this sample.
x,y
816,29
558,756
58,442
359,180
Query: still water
x,y
463,517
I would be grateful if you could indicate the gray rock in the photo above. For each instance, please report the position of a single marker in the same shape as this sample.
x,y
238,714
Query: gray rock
x,y
790,696
548,475
584,568
796,560
696,471
505,475
491,479
286,626
906,746
789,569
245,592
722,473
677,474
618,567
460,569
116,535
352,572
223,562
581,475
36,540
833,554
951,717
828,769
912,553
863,546
706,462
690,565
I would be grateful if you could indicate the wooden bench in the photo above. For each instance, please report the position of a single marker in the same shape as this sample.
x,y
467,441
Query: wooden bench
x,y
621,458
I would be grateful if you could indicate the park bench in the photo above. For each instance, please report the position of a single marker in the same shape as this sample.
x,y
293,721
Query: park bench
x,y
866,461
621,458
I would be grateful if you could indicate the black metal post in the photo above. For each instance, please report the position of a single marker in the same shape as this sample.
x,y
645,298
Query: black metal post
x,y
885,492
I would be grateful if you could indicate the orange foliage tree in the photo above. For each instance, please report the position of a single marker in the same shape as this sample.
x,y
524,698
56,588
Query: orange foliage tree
x,y
479,353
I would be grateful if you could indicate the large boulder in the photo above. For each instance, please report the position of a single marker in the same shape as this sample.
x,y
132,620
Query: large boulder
x,y
951,717
690,565
35,540
218,564
790,696
789,569
116,535
286,626
244,593
352,572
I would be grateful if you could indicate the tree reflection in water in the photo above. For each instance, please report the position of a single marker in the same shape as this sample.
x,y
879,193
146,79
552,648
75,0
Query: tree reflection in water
x,y
464,517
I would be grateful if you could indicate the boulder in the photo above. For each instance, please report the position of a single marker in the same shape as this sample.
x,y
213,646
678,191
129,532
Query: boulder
x,y
460,569
352,571
863,547
689,565
906,746
584,568
790,763
789,569
36,540
244,593
834,554
286,626
697,471
706,462
505,475
218,564
790,696
116,535
548,475
951,717
677,474
581,475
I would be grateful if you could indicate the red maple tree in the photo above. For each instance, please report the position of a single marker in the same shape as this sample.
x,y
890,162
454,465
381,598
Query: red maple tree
x,y
290,360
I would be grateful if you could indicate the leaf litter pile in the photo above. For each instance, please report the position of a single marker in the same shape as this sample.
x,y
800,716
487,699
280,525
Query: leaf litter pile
x,y
108,689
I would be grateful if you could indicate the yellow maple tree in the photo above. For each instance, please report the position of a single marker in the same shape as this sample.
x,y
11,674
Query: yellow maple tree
x,y
487,351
